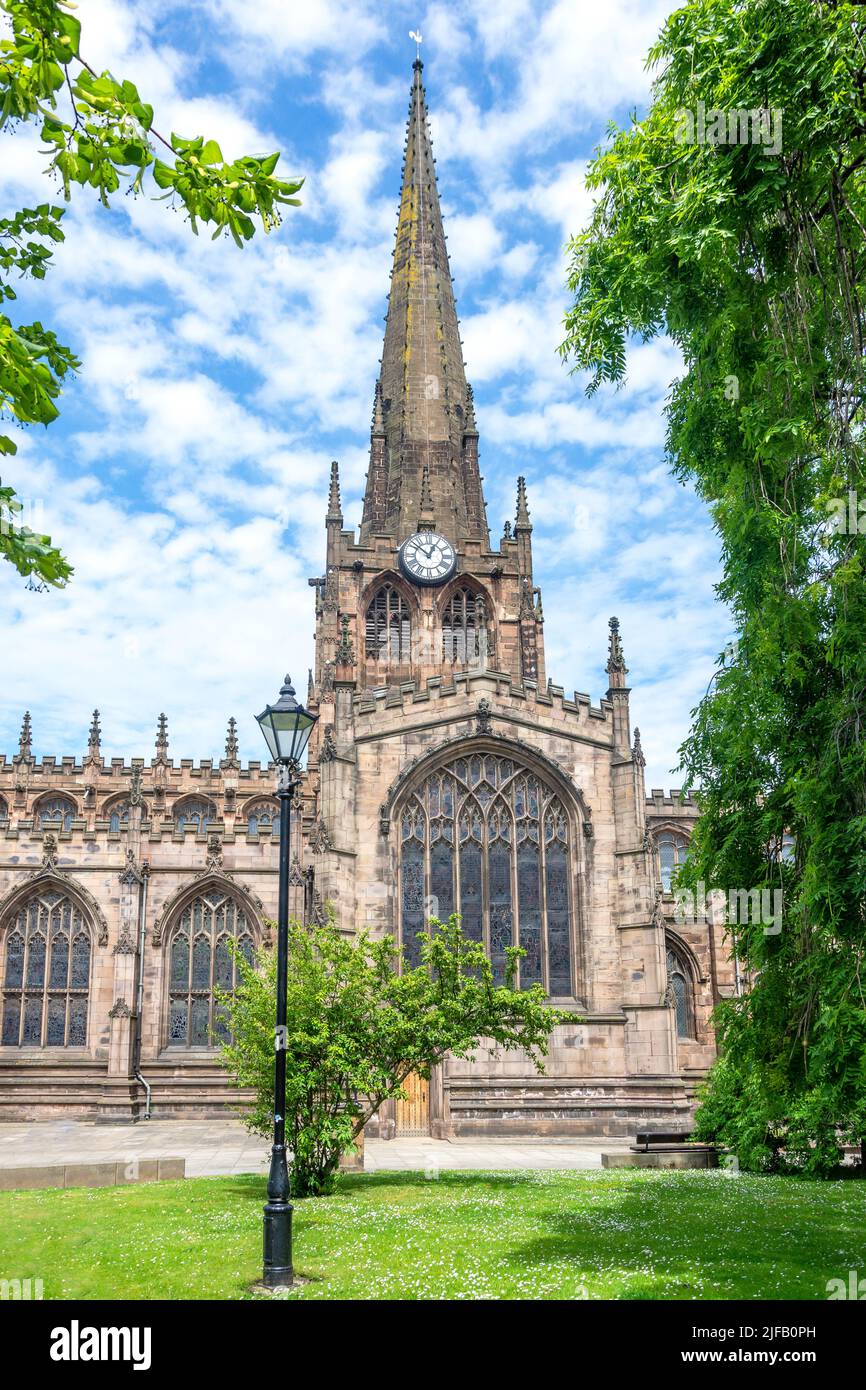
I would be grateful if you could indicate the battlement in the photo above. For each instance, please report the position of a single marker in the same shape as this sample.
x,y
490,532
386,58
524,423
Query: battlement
x,y
438,690
50,765
676,801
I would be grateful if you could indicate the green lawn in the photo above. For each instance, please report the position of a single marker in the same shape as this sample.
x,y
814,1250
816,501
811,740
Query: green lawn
x,y
626,1234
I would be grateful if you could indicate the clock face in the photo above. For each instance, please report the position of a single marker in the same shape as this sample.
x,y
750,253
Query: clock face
x,y
428,558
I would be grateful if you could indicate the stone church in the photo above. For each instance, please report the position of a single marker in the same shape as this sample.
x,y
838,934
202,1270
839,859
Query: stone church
x,y
447,772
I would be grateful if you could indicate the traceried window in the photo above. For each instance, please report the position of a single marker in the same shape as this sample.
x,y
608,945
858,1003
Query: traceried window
x,y
56,813
388,630
673,851
465,628
118,816
264,816
194,815
680,992
4,811
46,974
489,839
200,960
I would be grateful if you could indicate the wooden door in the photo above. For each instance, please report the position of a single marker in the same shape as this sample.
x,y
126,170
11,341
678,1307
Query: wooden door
x,y
413,1113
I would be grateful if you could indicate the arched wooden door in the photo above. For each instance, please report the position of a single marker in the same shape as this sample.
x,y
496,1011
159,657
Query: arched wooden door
x,y
412,1115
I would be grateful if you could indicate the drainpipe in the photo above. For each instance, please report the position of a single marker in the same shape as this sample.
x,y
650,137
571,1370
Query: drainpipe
x,y
142,936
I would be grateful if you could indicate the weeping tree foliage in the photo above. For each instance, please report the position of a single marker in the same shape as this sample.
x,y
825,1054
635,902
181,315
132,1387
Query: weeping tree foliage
x,y
752,259
98,133
359,1022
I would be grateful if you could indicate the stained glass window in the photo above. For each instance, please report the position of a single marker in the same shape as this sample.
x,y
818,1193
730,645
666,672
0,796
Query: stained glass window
x,y
680,987
491,840
413,916
56,813
194,815
200,962
388,629
673,850
46,974
118,816
264,816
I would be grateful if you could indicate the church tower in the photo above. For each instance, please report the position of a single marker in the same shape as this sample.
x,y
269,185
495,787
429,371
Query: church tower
x,y
422,593
446,772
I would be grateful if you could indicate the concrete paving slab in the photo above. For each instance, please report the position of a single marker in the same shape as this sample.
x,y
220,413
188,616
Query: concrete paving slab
x,y
213,1147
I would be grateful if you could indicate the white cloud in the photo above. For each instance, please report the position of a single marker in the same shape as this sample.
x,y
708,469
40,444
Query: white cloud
x,y
292,33
474,242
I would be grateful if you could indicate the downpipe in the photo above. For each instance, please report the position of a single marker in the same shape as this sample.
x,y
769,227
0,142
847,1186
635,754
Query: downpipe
x,y
139,1000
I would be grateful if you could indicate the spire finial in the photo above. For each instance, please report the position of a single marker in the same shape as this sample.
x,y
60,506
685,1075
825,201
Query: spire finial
x,y
335,510
419,39
470,426
378,413
161,739
345,653
25,740
232,742
522,522
637,750
94,738
616,667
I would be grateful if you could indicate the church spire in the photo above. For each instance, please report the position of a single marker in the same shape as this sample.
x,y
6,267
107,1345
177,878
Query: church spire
x,y
522,522
335,509
422,404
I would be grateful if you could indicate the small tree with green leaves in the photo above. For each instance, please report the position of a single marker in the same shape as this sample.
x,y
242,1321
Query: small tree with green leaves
x,y
99,134
359,1022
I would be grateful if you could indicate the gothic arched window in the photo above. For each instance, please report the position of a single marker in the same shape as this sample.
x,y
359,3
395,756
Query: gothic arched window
x,y
490,839
118,816
46,973
56,813
388,629
200,960
193,814
680,991
4,810
465,628
673,851
264,815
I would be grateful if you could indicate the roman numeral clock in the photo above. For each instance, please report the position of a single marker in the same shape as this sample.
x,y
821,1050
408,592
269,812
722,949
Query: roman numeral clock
x,y
427,558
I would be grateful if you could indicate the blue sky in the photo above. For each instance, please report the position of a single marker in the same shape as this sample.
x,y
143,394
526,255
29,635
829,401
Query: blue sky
x,y
187,476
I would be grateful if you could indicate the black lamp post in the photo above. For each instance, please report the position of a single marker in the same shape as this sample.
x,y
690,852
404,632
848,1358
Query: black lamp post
x,y
287,727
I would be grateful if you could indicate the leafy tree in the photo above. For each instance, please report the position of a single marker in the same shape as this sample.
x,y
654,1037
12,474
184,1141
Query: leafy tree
x,y
356,1029
99,134
753,261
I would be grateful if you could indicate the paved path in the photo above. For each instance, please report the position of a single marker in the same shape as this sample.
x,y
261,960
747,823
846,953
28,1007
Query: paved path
x,y
224,1146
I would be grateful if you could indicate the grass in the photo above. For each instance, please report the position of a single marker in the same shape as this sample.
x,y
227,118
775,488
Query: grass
x,y
536,1235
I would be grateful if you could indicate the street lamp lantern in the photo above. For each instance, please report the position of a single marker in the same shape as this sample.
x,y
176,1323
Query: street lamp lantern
x,y
287,727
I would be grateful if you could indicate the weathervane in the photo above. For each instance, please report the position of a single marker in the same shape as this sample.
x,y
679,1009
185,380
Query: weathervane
x,y
418,37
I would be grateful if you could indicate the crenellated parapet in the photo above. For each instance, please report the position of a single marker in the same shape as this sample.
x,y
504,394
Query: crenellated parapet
x,y
91,798
577,714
